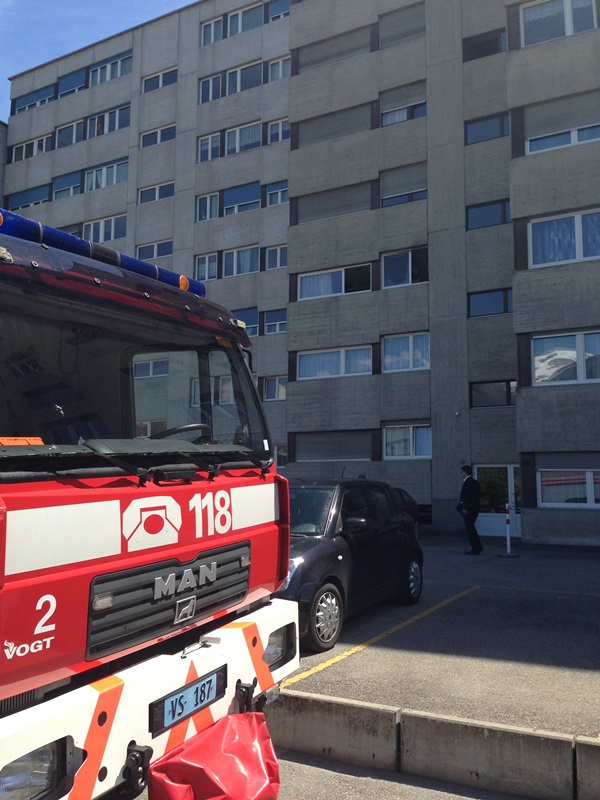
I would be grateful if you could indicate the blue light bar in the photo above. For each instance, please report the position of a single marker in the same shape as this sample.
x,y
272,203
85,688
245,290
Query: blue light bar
x,y
23,228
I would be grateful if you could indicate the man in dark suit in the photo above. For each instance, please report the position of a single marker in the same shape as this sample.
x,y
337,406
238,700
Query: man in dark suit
x,y
468,508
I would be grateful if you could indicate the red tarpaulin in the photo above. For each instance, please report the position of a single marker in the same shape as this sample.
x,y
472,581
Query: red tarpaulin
x,y
232,760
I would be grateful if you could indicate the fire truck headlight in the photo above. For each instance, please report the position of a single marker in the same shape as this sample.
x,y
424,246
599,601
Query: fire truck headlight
x,y
281,647
33,776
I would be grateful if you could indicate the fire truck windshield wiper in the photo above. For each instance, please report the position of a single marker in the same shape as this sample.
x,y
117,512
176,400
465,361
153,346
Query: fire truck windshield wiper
x,y
118,452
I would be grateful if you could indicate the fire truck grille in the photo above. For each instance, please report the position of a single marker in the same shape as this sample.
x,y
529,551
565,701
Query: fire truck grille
x,y
138,605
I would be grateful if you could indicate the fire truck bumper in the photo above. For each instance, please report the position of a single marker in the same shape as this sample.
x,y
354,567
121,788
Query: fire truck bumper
x,y
87,741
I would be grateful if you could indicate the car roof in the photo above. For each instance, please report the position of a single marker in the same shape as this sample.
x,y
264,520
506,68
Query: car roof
x,y
332,483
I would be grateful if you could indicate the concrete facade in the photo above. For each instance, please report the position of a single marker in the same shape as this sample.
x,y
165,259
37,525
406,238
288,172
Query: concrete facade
x,y
401,161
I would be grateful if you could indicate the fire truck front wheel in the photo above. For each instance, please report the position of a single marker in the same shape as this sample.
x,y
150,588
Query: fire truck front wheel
x,y
325,619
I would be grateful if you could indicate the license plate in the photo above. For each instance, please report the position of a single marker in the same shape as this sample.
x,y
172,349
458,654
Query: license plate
x,y
187,700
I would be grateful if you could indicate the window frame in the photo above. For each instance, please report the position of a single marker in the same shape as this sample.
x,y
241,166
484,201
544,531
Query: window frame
x,y
159,192
156,247
277,193
410,282
216,25
591,501
282,129
503,119
241,16
214,86
252,312
574,139
211,200
161,80
578,239
277,325
238,74
78,131
237,134
40,145
506,302
108,121
107,65
103,224
210,149
411,349
282,67
503,206
342,351
236,254
580,359
279,251
160,136
413,455
411,113
567,19
279,383
103,170
209,270
342,271
509,386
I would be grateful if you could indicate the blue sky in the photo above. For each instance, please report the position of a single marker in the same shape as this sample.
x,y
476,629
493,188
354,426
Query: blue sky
x,y
36,31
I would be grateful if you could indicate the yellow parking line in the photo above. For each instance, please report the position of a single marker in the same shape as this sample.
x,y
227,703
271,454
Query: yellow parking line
x,y
359,647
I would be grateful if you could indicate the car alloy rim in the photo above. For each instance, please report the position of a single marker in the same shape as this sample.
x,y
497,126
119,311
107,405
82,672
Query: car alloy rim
x,y
415,578
327,618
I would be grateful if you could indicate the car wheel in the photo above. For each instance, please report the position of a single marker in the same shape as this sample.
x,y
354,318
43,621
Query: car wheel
x,y
412,582
325,621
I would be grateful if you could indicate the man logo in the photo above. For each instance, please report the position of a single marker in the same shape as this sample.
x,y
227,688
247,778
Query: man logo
x,y
185,610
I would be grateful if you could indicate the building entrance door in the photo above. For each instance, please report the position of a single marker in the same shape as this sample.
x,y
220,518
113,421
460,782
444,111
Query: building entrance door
x,y
500,484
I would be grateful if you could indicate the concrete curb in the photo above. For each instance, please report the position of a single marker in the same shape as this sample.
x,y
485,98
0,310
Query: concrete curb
x,y
519,761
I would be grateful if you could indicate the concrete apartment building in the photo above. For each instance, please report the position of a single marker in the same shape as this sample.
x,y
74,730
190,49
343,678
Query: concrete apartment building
x,y
401,201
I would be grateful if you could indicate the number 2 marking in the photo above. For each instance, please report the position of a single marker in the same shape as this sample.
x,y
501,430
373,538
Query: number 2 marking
x,y
44,626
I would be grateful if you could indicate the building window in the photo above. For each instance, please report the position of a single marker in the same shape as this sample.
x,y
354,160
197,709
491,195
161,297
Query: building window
x,y
108,121
405,267
276,257
206,267
238,199
249,316
154,82
405,352
212,31
486,128
275,321
274,388
405,197
406,441
28,197
280,68
395,115
277,9
147,252
66,186
247,137
483,304
104,230
158,136
152,193
340,281
210,89
39,97
568,487
486,394
334,363
110,69
245,20
29,149
241,262
209,147
157,368
485,215
106,175
552,19
69,134
562,239
484,44
277,193
207,207
552,141
279,130
566,358
242,78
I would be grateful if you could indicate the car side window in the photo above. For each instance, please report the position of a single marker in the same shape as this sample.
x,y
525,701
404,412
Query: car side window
x,y
380,503
354,504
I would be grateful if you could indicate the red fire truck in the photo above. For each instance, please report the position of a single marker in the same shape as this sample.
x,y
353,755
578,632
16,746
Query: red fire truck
x,y
143,527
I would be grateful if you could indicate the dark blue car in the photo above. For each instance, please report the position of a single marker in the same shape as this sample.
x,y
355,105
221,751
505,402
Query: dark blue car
x,y
352,545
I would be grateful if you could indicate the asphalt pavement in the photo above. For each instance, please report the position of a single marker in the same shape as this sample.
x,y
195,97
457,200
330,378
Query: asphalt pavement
x,y
507,640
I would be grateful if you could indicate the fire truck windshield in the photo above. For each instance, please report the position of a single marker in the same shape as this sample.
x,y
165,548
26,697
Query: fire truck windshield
x,y
74,370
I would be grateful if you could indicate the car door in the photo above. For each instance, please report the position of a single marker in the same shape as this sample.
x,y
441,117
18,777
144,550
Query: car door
x,y
361,544
387,538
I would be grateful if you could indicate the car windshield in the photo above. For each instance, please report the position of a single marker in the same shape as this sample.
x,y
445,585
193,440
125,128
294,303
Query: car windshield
x,y
309,509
